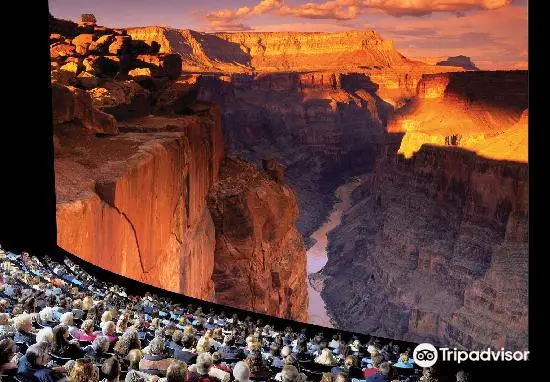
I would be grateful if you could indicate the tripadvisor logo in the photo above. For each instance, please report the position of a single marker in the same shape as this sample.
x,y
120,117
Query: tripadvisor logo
x,y
426,355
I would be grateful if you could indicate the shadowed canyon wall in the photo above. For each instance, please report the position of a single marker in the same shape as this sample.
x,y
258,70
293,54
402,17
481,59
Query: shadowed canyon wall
x,y
323,127
434,247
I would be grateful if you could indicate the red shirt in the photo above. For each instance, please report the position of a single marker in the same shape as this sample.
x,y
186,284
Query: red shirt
x,y
369,372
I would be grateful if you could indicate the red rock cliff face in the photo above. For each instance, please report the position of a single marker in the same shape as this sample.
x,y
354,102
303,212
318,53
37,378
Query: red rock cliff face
x,y
434,247
141,211
260,256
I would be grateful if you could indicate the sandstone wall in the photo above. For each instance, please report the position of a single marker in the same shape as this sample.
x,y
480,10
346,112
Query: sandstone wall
x,y
434,247
260,256
144,213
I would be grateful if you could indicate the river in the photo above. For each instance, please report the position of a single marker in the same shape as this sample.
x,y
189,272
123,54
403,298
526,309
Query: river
x,y
317,254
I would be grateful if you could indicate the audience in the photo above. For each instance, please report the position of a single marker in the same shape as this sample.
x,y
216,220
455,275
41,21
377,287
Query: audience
x,y
96,331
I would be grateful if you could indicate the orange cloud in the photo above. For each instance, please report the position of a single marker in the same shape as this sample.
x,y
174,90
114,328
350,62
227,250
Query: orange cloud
x,y
351,9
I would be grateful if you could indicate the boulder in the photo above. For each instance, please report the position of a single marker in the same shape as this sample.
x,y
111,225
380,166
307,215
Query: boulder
x,y
87,80
101,65
143,47
71,104
62,50
175,97
101,45
56,37
140,74
169,65
120,45
62,77
82,42
72,67
123,99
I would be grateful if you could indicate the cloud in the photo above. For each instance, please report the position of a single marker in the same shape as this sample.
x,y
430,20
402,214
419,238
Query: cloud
x,y
227,26
351,9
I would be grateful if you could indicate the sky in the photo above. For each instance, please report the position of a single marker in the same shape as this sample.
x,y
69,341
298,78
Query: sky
x,y
492,32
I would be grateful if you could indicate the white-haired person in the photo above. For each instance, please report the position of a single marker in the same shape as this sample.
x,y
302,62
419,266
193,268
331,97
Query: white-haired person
x,y
46,317
24,329
241,372
157,362
213,371
45,335
200,371
67,318
290,374
326,358
108,329
98,349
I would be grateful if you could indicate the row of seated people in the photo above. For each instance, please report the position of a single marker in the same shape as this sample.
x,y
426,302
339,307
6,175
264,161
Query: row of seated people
x,y
58,322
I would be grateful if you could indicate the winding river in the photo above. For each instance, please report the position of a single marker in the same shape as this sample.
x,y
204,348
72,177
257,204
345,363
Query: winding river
x,y
317,255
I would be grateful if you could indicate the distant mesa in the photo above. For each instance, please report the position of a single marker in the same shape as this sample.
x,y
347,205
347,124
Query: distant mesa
x,y
461,61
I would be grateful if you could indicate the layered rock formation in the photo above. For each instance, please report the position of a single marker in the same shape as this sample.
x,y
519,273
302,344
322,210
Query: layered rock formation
x,y
136,157
323,127
434,247
259,252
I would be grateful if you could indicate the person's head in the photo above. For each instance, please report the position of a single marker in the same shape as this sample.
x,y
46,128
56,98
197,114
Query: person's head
x,y
177,372
46,314
462,376
60,335
341,378
157,346
100,344
203,345
188,341
67,318
37,354
377,359
177,336
128,341
229,340
77,304
107,316
204,363
8,348
286,351
134,356
290,374
326,357
350,361
4,318
108,328
216,358
84,371
45,335
241,372
87,326
87,303
384,368
23,322
111,369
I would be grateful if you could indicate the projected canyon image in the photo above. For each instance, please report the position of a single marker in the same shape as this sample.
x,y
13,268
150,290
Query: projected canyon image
x,y
354,164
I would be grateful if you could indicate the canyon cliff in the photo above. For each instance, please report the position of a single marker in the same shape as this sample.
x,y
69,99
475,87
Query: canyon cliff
x,y
136,157
435,245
